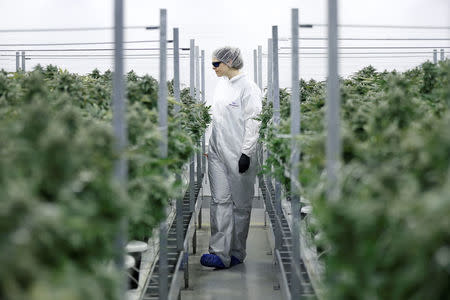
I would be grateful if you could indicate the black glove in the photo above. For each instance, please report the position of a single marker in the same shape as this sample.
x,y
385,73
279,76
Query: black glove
x,y
244,163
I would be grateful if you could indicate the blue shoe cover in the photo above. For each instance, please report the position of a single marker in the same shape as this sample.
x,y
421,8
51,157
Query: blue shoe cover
x,y
234,261
212,260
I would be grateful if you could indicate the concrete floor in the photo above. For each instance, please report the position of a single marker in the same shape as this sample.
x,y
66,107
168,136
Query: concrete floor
x,y
253,279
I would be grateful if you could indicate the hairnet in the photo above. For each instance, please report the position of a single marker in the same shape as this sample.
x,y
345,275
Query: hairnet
x,y
230,56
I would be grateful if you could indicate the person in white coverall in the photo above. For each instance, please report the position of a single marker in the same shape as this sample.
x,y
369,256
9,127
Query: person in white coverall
x,y
232,161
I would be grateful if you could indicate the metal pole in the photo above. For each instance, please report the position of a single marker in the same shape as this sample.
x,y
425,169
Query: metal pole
x,y
23,61
275,78
186,267
197,74
255,67
435,56
203,137
162,91
120,133
163,269
203,101
192,94
179,219
192,69
260,67
197,89
176,67
191,183
269,85
176,91
162,120
442,55
203,75
333,144
17,61
295,155
269,70
276,110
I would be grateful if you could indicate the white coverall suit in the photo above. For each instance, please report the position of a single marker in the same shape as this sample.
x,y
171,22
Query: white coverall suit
x,y
234,131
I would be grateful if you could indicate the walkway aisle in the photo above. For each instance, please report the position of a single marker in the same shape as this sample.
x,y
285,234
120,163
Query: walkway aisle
x,y
252,280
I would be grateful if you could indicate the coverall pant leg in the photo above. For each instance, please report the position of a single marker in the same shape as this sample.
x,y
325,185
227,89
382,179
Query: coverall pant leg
x,y
231,205
242,194
221,209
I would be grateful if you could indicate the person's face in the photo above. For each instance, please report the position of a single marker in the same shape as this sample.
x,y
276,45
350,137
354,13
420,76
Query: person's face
x,y
221,70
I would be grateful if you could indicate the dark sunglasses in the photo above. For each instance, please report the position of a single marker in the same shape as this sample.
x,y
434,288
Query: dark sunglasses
x,y
216,64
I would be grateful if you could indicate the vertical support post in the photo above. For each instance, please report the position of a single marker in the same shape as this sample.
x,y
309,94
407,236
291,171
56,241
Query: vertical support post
x,y
435,56
260,154
442,55
199,221
203,136
23,61
199,153
202,57
192,161
269,84
162,120
275,76
276,114
17,61
163,269
192,94
260,67
176,67
279,233
197,92
255,67
295,155
176,91
194,242
179,219
186,267
276,104
203,101
162,90
192,68
197,74
333,144
269,70
192,183
120,133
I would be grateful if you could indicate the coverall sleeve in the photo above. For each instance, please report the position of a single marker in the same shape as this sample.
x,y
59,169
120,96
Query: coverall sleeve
x,y
252,105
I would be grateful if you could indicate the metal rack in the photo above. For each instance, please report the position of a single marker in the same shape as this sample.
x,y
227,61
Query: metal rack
x,y
281,238
177,261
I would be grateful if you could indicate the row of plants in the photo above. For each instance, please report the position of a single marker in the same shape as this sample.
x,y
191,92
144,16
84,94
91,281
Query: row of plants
x,y
60,205
388,234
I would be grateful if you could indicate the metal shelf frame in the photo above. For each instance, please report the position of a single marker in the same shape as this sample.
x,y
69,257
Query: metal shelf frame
x,y
280,237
